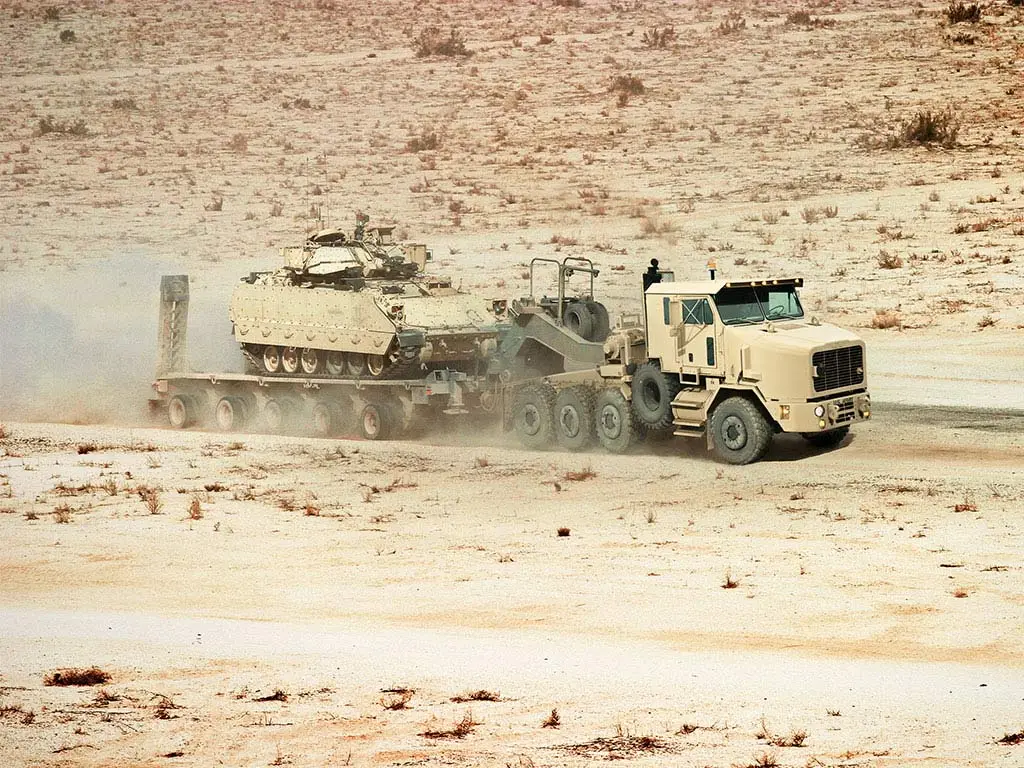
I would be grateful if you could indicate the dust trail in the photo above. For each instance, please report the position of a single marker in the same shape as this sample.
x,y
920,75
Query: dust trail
x,y
79,344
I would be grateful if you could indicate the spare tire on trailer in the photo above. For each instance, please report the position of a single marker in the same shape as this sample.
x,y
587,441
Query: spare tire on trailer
x,y
602,322
653,392
579,319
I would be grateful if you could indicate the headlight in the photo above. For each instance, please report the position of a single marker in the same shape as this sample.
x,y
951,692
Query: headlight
x,y
819,411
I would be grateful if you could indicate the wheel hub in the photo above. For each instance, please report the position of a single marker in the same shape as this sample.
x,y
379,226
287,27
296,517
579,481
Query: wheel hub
x,y
570,421
611,424
734,433
531,419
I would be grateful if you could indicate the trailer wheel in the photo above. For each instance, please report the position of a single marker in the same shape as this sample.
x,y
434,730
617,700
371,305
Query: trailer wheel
x,y
653,392
578,319
290,360
231,414
277,415
533,416
615,425
271,359
741,433
334,363
181,411
602,323
574,418
376,421
829,439
325,419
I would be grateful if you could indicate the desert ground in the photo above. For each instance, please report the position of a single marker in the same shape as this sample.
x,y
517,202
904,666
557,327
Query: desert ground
x,y
276,600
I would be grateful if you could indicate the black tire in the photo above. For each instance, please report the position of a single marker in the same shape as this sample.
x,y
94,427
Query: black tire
x,y
376,421
829,439
653,392
181,411
578,319
278,414
325,419
740,432
602,322
231,414
614,421
533,416
574,418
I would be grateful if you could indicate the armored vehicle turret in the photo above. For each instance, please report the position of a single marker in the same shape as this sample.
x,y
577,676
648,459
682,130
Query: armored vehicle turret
x,y
360,305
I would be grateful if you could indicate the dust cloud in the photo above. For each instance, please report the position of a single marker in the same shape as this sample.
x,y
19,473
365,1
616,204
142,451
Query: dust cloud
x,y
79,345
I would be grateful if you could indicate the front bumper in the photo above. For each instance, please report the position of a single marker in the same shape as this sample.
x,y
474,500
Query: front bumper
x,y
822,415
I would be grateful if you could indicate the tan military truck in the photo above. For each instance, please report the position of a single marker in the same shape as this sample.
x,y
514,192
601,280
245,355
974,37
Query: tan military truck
x,y
734,362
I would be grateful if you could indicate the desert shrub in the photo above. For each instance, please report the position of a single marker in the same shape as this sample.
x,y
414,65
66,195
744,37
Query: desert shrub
x,y
459,730
239,143
481,695
804,19
51,13
887,260
62,514
76,676
628,84
659,38
125,104
885,318
733,24
67,35
963,13
48,124
427,141
431,42
926,127
552,721
569,3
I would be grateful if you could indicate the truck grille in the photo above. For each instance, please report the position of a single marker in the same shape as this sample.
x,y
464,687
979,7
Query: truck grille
x,y
836,368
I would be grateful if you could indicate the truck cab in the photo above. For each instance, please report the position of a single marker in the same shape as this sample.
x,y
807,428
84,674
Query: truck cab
x,y
739,360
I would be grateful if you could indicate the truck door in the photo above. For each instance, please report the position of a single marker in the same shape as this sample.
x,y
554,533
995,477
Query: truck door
x,y
697,345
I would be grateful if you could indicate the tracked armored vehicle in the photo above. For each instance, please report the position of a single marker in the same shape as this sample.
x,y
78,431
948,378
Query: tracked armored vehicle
x,y
360,305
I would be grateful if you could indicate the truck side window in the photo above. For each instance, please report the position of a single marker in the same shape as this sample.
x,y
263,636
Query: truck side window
x,y
697,312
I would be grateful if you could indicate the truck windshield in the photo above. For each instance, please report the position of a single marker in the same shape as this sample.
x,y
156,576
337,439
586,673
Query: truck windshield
x,y
755,304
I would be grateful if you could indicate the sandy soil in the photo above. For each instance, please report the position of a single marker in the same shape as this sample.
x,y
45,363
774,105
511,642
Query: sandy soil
x,y
199,138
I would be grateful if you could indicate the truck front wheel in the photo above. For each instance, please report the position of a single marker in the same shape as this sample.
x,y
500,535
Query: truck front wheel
x,y
740,432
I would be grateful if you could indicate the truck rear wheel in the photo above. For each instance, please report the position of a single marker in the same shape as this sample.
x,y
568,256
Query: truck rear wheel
x,y
533,416
740,432
325,419
615,426
829,439
574,418
181,411
277,415
231,413
653,392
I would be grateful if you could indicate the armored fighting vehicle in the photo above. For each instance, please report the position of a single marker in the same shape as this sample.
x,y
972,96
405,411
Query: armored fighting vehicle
x,y
360,305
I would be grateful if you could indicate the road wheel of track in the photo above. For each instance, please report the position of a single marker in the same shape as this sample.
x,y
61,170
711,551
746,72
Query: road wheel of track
x,y
829,439
290,360
614,421
376,421
578,319
310,361
740,432
533,416
230,414
653,392
602,322
574,418
334,363
375,365
181,411
271,359
355,363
